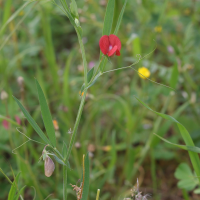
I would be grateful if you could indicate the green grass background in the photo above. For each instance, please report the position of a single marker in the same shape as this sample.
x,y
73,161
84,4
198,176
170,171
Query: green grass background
x,y
114,126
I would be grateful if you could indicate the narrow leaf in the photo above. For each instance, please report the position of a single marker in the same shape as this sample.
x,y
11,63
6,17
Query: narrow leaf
x,y
46,115
6,176
19,193
59,160
13,188
74,9
64,150
89,77
95,79
32,122
187,148
90,74
86,177
120,18
108,20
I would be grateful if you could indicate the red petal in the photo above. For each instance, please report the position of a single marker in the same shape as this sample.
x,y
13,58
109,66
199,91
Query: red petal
x,y
115,41
118,53
104,44
112,51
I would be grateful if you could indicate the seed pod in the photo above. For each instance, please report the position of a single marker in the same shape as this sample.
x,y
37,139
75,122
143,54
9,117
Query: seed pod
x,y
48,166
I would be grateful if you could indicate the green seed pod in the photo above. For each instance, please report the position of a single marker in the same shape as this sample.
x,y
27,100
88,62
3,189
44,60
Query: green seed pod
x,y
48,166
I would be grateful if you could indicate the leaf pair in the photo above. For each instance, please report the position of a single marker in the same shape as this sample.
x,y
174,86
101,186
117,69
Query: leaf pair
x,y
186,178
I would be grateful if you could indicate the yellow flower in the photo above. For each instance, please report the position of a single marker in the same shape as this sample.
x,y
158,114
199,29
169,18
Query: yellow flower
x,y
21,13
158,29
145,72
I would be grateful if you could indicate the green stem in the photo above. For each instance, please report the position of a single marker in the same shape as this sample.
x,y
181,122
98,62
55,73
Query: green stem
x,y
78,115
153,174
98,192
82,100
185,195
76,125
84,58
64,182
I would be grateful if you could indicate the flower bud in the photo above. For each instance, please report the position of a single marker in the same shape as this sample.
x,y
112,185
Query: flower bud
x,y
48,166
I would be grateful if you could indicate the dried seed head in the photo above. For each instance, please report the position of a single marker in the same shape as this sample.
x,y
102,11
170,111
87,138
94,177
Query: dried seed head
x,y
48,166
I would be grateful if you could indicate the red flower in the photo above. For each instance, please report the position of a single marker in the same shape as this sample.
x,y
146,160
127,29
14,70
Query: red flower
x,y
110,45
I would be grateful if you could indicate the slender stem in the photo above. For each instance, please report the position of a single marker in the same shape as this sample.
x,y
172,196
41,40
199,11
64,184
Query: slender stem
x,y
76,125
185,194
77,118
82,100
84,58
98,192
153,174
64,182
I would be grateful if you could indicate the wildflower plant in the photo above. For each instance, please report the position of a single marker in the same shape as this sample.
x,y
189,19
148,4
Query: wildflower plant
x,y
110,45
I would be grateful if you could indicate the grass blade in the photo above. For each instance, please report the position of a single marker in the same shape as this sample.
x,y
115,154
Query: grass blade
x,y
13,188
46,115
186,137
19,193
7,11
6,176
187,148
32,122
49,47
17,25
15,14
